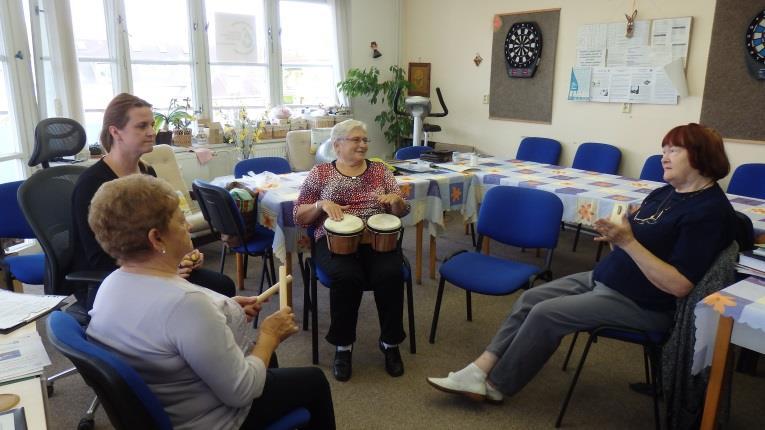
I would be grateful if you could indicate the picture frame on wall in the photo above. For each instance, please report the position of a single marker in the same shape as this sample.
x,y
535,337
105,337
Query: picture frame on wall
x,y
419,77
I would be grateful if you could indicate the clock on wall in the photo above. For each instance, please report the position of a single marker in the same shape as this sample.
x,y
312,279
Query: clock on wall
x,y
523,49
755,45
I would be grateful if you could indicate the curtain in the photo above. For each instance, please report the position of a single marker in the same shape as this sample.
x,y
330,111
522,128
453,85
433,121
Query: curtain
x,y
341,61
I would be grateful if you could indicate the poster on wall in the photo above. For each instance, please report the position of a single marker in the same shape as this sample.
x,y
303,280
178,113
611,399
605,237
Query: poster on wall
x,y
522,70
235,37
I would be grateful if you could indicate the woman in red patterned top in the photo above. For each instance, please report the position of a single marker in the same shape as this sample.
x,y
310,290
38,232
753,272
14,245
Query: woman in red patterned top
x,y
354,185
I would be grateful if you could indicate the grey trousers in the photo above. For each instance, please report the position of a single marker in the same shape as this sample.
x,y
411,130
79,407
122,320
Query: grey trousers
x,y
543,315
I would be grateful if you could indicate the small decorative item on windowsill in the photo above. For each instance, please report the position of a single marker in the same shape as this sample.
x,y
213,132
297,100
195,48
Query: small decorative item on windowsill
x,y
247,132
182,137
179,117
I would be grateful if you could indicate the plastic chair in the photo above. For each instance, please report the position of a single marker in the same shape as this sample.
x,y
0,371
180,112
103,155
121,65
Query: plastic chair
x,y
539,149
55,138
299,150
29,269
411,152
257,165
522,217
313,274
653,341
652,169
221,213
748,180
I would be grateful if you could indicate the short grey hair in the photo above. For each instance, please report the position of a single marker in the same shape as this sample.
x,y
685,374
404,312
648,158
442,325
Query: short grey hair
x,y
344,128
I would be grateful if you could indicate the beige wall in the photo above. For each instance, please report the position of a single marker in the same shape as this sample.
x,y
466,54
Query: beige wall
x,y
448,34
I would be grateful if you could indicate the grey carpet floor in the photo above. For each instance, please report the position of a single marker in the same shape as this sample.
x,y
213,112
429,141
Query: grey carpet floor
x,y
373,400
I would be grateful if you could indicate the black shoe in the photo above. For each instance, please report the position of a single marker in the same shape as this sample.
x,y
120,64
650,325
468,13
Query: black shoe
x,y
393,364
341,368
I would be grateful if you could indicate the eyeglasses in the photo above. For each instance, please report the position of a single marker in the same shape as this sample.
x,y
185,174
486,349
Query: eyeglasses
x,y
357,139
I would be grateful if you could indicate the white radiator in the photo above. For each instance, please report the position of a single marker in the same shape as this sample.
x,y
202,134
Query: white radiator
x,y
276,149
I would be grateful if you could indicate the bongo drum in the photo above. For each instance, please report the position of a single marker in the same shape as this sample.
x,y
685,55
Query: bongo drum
x,y
343,236
383,232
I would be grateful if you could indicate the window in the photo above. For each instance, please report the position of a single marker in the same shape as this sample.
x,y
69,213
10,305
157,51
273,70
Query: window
x,y
307,50
238,43
96,64
160,50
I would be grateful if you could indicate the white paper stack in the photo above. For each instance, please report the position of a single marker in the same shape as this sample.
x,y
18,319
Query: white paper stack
x,y
22,354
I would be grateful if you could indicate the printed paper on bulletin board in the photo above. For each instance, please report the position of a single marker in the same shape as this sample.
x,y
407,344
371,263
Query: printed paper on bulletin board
x,y
732,102
523,99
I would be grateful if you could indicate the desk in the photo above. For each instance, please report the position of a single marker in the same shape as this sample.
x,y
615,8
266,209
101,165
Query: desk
x,y
31,389
32,400
737,315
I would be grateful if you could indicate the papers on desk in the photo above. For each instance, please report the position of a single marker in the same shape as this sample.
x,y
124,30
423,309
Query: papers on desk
x,y
19,309
22,354
13,419
461,167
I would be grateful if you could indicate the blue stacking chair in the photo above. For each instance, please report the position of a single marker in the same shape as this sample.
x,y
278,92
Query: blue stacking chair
x,y
220,211
29,269
522,217
652,169
539,149
312,274
127,399
257,165
411,152
748,180
595,157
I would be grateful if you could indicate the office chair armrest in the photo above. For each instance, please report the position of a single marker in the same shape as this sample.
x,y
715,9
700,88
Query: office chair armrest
x,y
88,275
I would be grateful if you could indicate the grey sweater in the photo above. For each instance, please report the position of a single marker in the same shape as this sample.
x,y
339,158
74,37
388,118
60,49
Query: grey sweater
x,y
189,344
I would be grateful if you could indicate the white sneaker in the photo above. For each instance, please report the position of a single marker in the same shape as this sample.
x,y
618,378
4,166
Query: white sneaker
x,y
470,387
493,395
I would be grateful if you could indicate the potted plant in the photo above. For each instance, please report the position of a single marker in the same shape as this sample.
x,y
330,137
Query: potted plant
x,y
179,117
360,83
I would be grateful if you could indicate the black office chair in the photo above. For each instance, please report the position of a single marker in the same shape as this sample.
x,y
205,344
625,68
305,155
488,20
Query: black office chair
x,y
56,138
46,201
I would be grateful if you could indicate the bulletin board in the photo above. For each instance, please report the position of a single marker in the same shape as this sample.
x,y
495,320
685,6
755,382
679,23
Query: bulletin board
x,y
732,101
523,99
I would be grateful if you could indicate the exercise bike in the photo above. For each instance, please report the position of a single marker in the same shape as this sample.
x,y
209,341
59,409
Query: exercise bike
x,y
419,108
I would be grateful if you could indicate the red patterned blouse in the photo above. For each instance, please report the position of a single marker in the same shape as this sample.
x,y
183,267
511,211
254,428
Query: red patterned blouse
x,y
325,182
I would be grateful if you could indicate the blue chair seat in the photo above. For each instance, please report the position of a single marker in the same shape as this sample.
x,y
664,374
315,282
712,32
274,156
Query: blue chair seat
x,y
263,239
486,274
29,269
295,419
632,337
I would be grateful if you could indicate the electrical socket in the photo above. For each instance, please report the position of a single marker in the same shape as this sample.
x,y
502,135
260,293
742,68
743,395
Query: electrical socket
x,y
485,99
626,107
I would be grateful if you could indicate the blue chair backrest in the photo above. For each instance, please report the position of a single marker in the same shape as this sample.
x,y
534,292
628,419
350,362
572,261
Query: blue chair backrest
x,y
597,157
126,398
220,210
257,165
539,149
652,169
12,221
748,180
411,152
523,217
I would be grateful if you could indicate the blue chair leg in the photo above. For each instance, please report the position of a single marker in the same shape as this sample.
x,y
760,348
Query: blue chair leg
x,y
410,308
573,381
469,305
437,310
576,237
570,350
305,272
222,257
314,322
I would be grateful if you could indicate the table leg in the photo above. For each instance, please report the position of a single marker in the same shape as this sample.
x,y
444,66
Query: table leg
x,y
717,373
485,245
418,253
288,262
432,256
239,271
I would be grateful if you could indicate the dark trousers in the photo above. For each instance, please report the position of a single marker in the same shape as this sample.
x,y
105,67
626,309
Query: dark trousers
x,y
288,389
212,280
350,276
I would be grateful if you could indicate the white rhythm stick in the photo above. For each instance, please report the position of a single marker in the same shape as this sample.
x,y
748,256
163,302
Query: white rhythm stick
x,y
276,288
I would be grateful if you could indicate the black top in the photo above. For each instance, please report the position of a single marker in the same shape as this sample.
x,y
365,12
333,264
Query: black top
x,y
88,254
691,231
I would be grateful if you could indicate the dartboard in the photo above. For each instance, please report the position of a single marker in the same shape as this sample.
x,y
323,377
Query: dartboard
x,y
523,49
755,45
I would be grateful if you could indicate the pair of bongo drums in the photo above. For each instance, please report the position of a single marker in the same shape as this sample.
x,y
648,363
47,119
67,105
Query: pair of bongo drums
x,y
344,236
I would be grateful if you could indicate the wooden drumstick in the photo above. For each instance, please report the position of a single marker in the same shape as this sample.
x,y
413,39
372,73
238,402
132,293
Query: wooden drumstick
x,y
272,290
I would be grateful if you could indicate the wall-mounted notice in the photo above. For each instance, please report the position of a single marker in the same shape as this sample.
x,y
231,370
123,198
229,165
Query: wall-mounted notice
x,y
674,33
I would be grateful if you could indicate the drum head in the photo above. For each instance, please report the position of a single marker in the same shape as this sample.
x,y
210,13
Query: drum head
x,y
384,222
350,224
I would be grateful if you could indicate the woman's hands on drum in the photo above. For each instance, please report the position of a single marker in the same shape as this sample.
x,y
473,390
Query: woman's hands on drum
x,y
390,199
333,210
617,233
